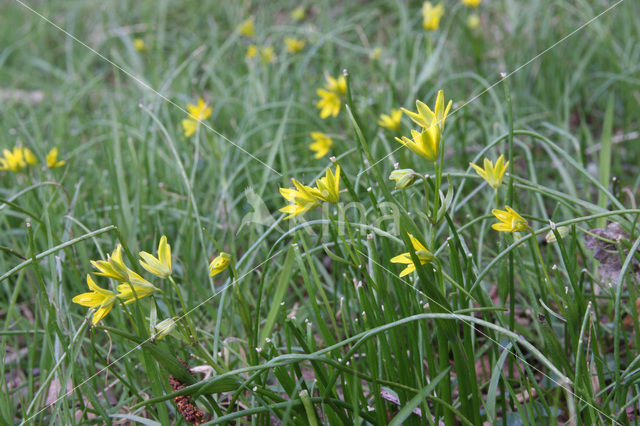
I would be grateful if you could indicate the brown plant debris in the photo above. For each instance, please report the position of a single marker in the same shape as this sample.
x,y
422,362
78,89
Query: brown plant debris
x,y
189,411
606,249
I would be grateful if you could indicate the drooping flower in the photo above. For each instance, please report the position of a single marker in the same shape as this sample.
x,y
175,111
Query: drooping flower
x,y
391,121
298,14
97,298
493,174
164,328
423,255
139,45
161,265
135,289
472,3
219,263
550,237
328,187
267,55
113,267
510,220
426,118
321,144
302,198
252,51
247,28
329,103
403,177
294,45
431,15
426,143
473,21
52,159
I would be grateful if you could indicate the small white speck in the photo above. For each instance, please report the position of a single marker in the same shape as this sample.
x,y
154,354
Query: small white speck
x,y
552,225
333,159
503,75
396,165
258,349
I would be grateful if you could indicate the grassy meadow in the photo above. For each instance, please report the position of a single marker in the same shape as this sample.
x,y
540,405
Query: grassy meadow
x,y
255,212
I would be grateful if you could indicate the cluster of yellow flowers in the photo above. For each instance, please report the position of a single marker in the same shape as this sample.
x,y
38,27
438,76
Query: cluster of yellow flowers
x,y
19,158
197,113
431,14
132,286
267,54
305,198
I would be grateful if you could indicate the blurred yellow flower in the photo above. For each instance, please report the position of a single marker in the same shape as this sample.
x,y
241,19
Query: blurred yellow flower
x,y
472,3
294,45
473,21
328,188
29,157
493,174
431,15
426,143
321,144
392,121
139,45
96,298
197,113
338,85
298,14
426,118
52,159
510,220
247,28
161,265
329,103
423,255
113,267
267,55
302,198
219,264
14,160
252,51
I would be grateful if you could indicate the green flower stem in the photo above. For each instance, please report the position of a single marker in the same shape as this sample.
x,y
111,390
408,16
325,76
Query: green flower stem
x,y
192,331
544,269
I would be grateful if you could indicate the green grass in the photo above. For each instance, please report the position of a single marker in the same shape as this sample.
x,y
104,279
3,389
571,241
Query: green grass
x,y
311,323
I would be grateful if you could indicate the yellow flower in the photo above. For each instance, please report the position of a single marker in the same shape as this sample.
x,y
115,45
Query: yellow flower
x,y
391,122
113,267
328,188
267,56
29,157
321,144
201,111
473,21
303,199
96,298
492,174
298,14
197,113
426,118
246,28
252,51
472,3
431,15
189,126
329,103
13,160
52,159
139,45
403,177
424,255
426,143
510,221
294,45
161,265
338,85
136,288
219,264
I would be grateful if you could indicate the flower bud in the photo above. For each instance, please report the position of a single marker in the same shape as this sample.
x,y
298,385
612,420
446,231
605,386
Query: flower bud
x,y
403,177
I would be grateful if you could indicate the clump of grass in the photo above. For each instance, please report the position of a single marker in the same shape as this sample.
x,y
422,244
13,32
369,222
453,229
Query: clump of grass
x,y
297,263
